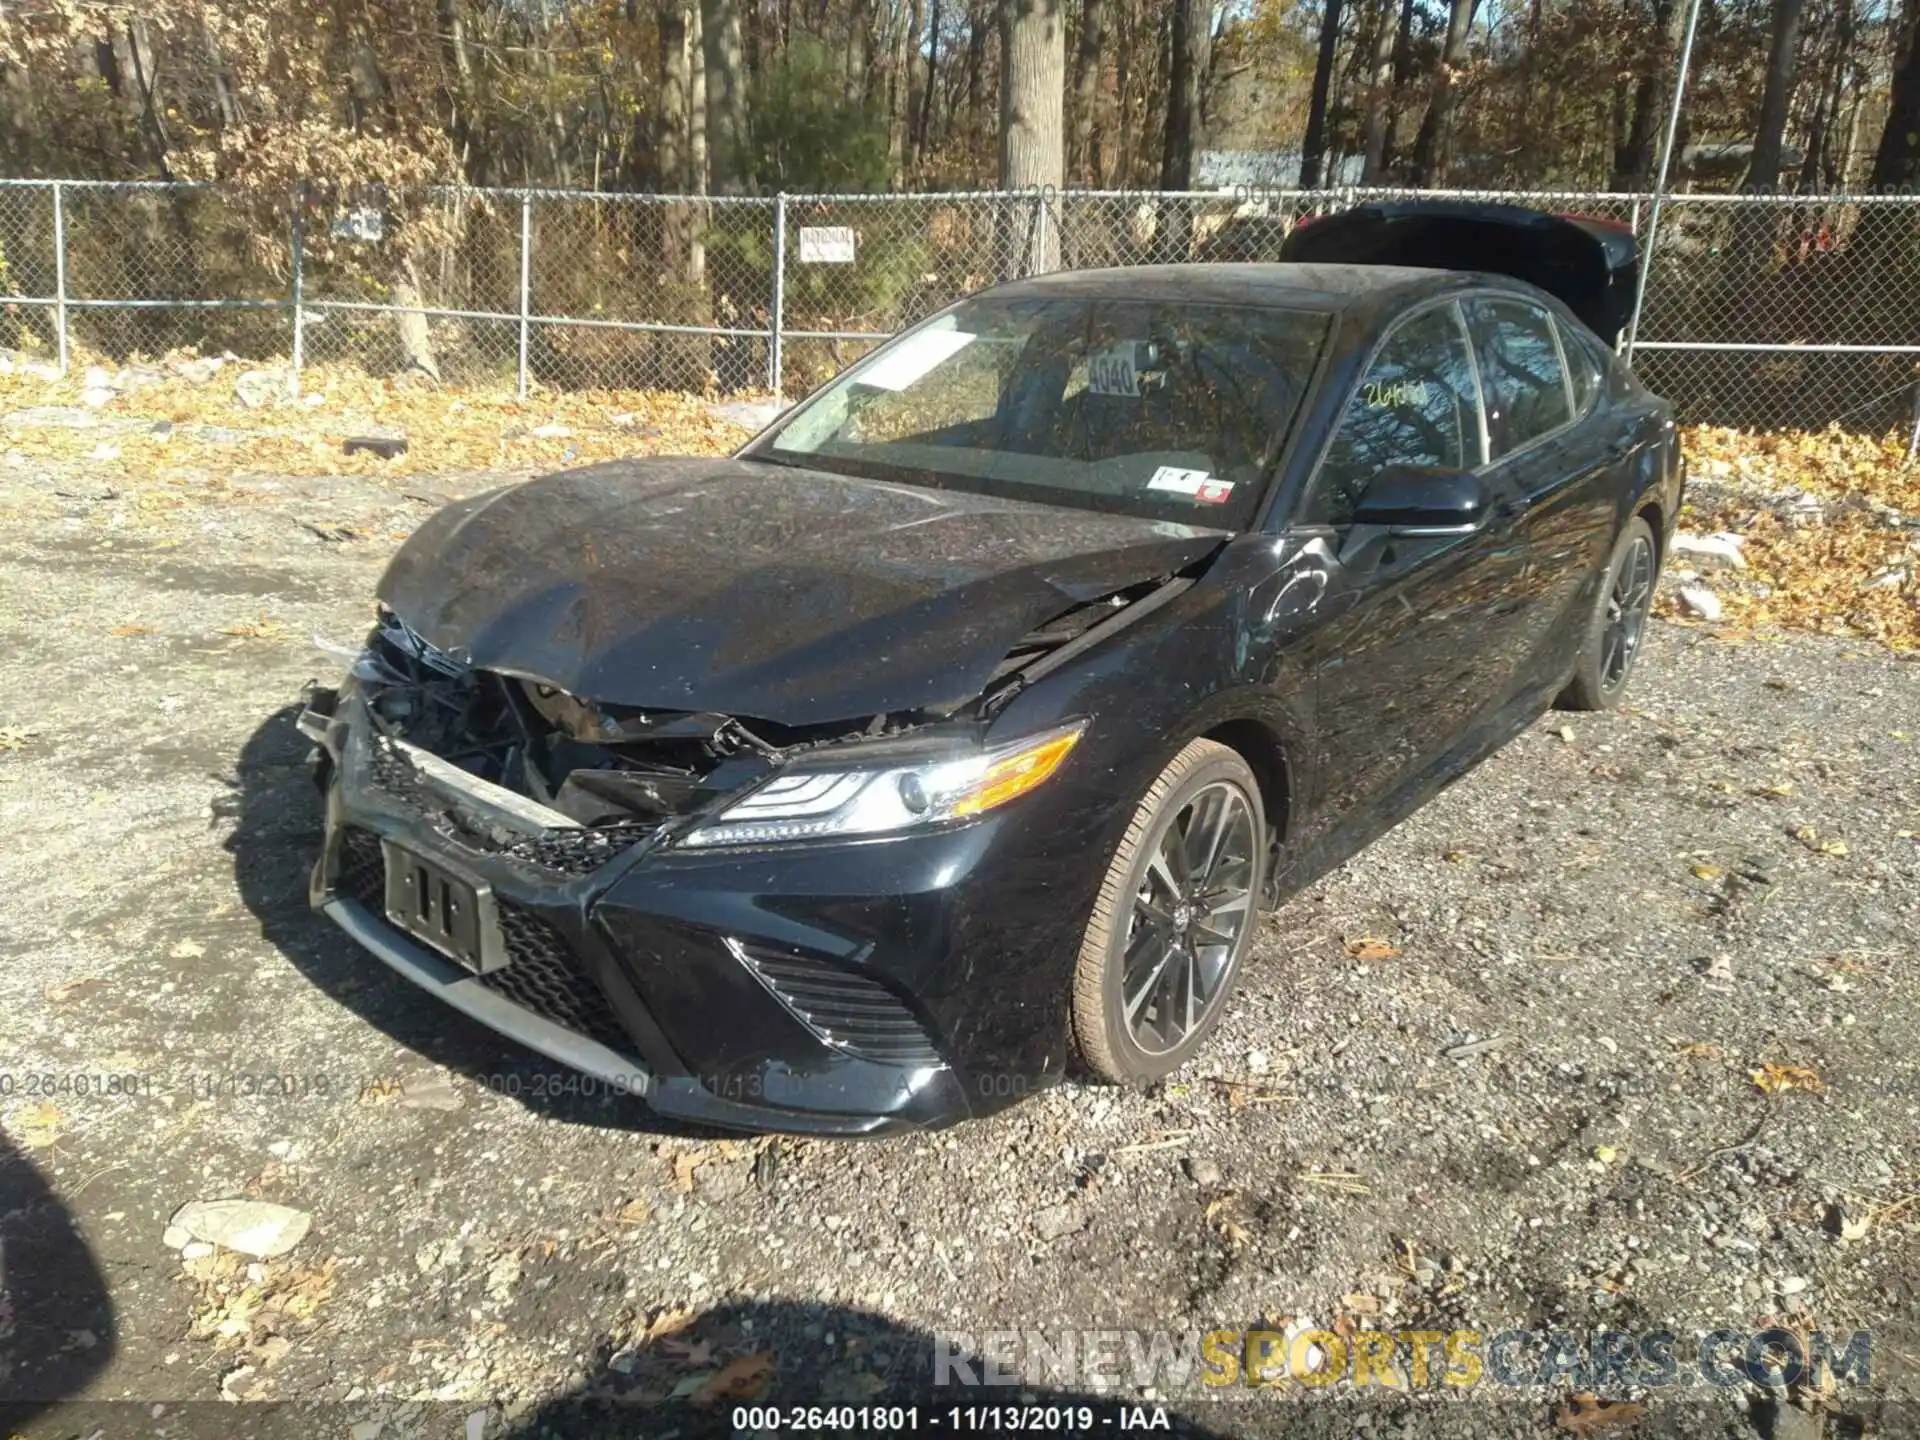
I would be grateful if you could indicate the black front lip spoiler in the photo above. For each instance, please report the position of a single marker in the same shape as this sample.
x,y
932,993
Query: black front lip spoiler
x,y
678,1097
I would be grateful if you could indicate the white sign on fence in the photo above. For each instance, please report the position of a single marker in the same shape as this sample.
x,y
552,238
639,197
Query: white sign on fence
x,y
826,245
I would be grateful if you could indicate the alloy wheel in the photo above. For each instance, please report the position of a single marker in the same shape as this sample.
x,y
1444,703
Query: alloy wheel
x,y
1627,607
1193,905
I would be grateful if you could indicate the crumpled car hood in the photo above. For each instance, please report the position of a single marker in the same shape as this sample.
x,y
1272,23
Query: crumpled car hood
x,y
793,596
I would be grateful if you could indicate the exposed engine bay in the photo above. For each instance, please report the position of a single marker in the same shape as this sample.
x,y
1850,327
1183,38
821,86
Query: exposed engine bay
x,y
619,772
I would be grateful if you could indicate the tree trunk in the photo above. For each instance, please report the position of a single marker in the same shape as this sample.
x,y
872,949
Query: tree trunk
x,y
1402,72
1379,95
1433,146
1826,110
1086,92
929,90
1186,63
1897,161
672,140
1783,54
1033,49
1633,161
979,23
726,97
1313,149
914,81
416,340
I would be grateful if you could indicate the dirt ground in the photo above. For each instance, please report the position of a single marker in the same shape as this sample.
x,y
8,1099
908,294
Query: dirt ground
x,y
1639,914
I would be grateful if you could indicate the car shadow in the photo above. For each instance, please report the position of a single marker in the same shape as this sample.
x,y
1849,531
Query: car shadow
x,y
57,1324
741,1369
278,814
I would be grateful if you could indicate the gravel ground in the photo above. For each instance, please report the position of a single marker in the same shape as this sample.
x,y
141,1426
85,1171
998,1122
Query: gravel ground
x,y
1635,913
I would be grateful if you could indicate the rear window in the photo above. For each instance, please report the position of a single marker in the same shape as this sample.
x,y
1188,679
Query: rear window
x,y
1520,371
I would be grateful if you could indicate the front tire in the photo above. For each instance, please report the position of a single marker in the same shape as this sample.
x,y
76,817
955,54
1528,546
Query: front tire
x,y
1618,625
1173,919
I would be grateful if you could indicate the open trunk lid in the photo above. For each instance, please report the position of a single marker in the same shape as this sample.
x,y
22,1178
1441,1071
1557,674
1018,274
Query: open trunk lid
x,y
1587,263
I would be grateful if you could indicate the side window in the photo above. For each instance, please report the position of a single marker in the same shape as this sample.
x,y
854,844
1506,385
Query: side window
x,y
1520,367
1417,405
1586,366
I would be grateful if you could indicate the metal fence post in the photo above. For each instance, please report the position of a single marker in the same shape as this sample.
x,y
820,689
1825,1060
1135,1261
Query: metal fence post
x,y
526,289
1660,180
777,317
60,272
298,266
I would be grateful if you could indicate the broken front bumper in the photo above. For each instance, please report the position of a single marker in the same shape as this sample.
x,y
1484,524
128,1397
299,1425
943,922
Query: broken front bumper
x,y
806,991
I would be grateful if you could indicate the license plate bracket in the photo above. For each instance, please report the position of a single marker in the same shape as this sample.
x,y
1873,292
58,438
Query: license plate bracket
x,y
445,910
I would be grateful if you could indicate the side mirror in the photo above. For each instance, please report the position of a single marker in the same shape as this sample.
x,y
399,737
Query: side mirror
x,y
1408,500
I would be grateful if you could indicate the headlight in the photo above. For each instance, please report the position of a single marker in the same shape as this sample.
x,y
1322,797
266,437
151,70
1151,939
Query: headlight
x,y
813,802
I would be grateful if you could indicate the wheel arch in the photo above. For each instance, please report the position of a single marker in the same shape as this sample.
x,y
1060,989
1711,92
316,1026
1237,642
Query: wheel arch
x,y
1648,508
1266,755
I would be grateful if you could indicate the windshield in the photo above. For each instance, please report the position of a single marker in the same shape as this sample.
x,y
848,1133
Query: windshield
x,y
1164,410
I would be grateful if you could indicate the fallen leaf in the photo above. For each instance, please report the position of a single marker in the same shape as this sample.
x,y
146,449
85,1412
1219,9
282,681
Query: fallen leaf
x,y
1708,872
739,1379
1775,1079
688,1354
260,629
1368,949
634,1212
37,1126
1585,1414
65,990
187,950
129,630
668,1322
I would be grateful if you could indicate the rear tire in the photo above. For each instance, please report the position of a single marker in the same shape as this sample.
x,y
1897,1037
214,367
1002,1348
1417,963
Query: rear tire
x,y
1173,920
1617,628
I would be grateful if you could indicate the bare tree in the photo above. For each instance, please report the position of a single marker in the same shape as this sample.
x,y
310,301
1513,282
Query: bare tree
x,y
1433,146
1378,121
1033,47
1633,156
726,85
1086,91
1783,56
1897,161
1188,60
1313,149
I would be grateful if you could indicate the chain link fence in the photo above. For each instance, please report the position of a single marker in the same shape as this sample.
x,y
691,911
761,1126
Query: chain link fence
x,y
1764,311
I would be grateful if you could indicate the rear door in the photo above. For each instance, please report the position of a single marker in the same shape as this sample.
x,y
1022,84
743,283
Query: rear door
x,y
1417,633
1549,450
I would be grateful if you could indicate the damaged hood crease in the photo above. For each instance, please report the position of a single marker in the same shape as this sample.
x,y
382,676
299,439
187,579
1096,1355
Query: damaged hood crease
x,y
751,590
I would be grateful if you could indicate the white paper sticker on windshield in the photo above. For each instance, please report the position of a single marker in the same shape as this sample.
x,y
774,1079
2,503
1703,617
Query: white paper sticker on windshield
x,y
1200,484
913,357
1111,372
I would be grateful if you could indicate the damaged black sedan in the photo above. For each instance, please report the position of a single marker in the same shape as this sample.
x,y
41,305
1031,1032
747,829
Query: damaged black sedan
x,y
950,738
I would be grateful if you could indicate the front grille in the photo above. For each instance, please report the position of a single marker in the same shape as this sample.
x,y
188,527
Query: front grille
x,y
562,849
847,1010
541,973
363,870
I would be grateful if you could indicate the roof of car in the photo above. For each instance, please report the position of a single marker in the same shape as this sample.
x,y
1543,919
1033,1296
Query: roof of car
x,y
1302,286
